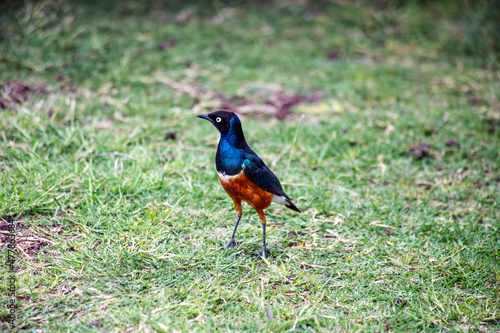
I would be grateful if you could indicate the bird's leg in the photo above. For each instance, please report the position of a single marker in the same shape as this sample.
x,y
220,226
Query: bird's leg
x,y
232,243
264,250
239,211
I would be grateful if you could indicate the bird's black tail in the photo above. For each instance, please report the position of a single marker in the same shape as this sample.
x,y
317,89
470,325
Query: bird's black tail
x,y
291,205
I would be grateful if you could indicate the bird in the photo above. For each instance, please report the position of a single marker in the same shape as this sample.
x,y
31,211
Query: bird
x,y
243,174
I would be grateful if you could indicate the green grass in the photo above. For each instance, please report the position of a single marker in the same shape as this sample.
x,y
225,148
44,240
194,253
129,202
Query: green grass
x,y
120,225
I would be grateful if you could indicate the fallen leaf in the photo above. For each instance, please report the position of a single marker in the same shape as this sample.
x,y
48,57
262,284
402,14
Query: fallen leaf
x,y
185,16
420,150
171,136
105,124
269,313
167,44
333,55
452,143
95,322
474,101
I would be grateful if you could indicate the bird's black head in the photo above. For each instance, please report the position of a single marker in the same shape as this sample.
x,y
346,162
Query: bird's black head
x,y
220,119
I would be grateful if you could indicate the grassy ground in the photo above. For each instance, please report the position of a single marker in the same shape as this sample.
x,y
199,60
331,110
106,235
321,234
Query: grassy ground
x,y
111,181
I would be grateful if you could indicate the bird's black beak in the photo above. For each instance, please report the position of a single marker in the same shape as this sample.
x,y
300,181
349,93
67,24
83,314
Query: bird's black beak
x,y
206,117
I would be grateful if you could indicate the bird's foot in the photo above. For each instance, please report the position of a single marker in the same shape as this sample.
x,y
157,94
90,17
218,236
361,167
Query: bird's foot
x,y
264,253
232,244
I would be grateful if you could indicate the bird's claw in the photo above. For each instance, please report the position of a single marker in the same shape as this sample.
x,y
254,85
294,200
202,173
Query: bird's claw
x,y
264,253
231,244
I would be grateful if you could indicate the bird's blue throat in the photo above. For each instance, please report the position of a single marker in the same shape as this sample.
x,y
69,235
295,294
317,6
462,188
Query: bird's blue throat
x,y
231,149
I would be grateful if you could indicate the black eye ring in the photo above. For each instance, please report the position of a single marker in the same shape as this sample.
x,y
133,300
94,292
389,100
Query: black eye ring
x,y
218,119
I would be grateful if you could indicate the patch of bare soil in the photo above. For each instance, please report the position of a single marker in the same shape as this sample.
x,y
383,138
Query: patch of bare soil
x,y
31,241
18,91
263,99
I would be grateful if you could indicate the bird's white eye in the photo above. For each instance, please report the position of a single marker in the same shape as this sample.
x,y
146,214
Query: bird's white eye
x,y
218,119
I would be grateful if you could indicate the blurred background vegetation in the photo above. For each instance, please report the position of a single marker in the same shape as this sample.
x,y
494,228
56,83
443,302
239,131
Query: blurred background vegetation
x,y
446,28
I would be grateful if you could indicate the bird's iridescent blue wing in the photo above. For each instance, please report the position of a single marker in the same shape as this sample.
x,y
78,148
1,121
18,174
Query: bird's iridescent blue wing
x,y
259,174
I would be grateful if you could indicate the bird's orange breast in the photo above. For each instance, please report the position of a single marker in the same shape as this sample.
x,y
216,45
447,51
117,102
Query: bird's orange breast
x,y
240,187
